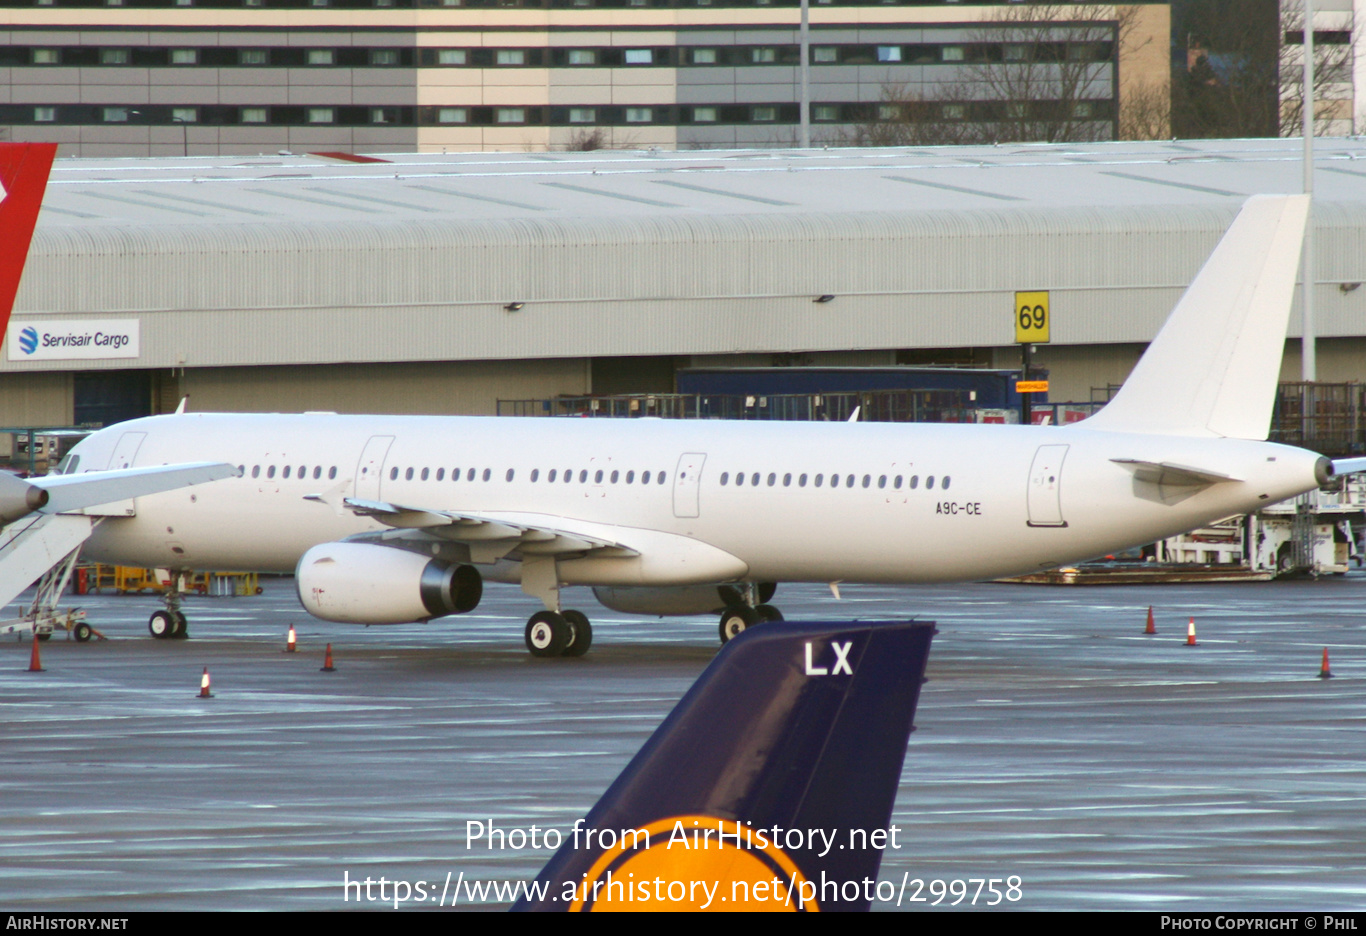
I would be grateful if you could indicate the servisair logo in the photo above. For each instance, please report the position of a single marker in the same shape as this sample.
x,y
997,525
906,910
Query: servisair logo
x,y
695,862
28,339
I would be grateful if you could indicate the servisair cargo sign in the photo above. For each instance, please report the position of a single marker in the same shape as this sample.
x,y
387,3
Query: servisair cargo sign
x,y
89,339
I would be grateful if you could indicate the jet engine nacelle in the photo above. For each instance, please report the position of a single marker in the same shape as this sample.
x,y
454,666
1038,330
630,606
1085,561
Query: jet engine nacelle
x,y
18,498
361,583
676,599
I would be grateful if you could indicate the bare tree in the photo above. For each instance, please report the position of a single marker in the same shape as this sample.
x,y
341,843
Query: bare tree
x,y
1040,71
1334,58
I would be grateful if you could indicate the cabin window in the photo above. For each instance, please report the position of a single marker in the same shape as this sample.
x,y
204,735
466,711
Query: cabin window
x,y
488,473
270,472
914,482
929,482
801,482
441,474
644,477
408,475
510,474
469,475
455,474
332,473
583,476
754,479
772,478
944,482
615,475
631,477
568,475
849,481
819,479
787,480
896,482
739,479
256,471
551,476
597,476
393,474
725,476
834,480
426,472
535,473
867,479
882,481
286,471
661,477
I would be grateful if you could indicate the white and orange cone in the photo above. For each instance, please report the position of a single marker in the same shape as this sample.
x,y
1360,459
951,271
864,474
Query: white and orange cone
x,y
327,666
1324,671
1150,629
291,641
35,665
204,692
1190,634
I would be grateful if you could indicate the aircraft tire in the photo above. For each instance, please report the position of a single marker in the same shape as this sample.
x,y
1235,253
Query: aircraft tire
x,y
735,621
181,628
581,633
161,624
768,613
81,632
547,634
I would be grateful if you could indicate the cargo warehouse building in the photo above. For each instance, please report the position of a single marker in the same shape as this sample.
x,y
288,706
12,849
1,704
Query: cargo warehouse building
x,y
443,284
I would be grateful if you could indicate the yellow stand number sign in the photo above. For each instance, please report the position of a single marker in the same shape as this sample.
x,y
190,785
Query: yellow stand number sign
x,y
1031,318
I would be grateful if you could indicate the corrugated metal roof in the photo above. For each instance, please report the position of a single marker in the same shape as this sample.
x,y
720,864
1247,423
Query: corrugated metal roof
x,y
304,259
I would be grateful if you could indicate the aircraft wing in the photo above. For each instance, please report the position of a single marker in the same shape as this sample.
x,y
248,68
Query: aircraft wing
x,y
491,536
73,492
1342,466
1170,473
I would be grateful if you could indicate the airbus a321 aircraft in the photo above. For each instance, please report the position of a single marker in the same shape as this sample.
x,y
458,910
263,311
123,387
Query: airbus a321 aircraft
x,y
390,519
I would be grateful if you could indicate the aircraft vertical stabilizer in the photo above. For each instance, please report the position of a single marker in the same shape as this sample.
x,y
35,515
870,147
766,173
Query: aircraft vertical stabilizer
x,y
24,169
769,786
1212,369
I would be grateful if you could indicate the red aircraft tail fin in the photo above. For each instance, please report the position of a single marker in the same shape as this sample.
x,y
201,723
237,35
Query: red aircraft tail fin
x,y
24,169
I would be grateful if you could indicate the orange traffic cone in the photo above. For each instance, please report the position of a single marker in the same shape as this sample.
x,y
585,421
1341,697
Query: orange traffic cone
x,y
1150,629
290,641
1190,634
327,666
204,692
1324,671
35,665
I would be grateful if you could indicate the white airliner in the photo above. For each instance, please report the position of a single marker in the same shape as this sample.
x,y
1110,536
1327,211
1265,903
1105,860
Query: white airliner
x,y
390,519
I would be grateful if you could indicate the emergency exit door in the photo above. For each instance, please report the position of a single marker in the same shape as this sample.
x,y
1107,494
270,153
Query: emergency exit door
x,y
1045,487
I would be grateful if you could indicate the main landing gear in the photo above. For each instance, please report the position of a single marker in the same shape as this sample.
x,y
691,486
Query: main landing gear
x,y
558,633
170,624
743,612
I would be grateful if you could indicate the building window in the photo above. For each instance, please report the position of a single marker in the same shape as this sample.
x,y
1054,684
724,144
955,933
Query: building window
x,y
1016,110
955,112
253,3
825,54
320,3
184,56
951,53
638,115
704,115
888,112
825,112
252,57
889,53
45,57
583,115
765,114
44,114
509,115
453,115
320,115
704,56
113,56
511,57
1016,52
763,56
185,115
116,115
253,115
384,115
451,57
583,57
321,57
384,56
1083,110
640,56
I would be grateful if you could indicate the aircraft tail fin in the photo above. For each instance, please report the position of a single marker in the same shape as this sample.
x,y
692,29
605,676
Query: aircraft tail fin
x,y
24,168
800,726
1212,369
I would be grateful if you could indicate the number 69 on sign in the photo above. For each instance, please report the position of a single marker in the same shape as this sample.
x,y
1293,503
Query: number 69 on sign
x,y
1031,318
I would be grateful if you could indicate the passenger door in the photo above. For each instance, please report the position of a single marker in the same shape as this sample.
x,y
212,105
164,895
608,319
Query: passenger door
x,y
687,478
1045,487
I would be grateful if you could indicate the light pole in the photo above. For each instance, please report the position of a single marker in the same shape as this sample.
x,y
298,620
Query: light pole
x,y
184,134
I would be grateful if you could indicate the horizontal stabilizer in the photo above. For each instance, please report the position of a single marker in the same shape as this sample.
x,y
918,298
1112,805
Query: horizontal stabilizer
x,y
1212,369
1168,473
90,489
798,726
1343,466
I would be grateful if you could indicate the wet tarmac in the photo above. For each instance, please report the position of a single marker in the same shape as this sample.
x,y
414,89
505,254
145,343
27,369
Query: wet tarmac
x,y
1104,768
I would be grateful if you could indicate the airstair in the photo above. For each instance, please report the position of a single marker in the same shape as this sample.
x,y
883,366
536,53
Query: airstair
x,y
43,548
